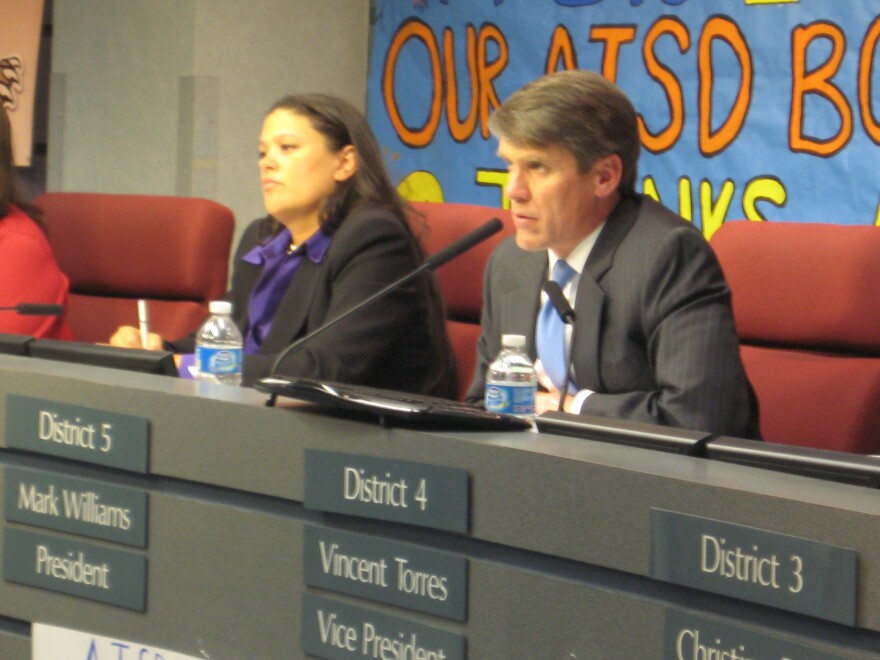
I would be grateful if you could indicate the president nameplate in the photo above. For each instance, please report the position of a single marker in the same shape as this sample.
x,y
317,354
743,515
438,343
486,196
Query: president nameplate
x,y
68,566
386,489
788,572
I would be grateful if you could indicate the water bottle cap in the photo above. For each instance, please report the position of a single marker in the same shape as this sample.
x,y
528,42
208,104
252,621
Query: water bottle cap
x,y
220,307
513,341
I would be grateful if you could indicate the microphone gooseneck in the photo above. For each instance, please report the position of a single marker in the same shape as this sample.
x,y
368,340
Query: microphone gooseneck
x,y
559,302
35,309
566,313
463,244
436,260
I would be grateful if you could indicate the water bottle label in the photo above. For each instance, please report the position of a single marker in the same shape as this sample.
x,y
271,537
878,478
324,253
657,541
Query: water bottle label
x,y
510,399
224,360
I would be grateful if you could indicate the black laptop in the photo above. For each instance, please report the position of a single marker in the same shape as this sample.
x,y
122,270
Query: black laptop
x,y
390,406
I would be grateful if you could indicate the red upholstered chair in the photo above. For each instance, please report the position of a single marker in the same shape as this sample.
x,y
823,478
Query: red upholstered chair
x,y
172,251
437,225
807,303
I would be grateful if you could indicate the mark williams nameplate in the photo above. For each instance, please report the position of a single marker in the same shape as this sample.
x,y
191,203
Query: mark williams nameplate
x,y
86,507
99,437
792,573
85,570
386,489
386,571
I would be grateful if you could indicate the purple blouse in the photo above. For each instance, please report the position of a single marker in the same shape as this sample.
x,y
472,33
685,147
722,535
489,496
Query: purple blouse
x,y
279,268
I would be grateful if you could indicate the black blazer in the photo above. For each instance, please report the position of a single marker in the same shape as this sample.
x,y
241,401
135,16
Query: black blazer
x,y
384,345
655,338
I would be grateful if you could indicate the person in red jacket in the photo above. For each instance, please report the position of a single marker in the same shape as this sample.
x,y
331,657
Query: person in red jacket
x,y
28,270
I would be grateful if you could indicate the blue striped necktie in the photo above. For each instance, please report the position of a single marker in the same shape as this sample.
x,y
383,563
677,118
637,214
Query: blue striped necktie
x,y
550,336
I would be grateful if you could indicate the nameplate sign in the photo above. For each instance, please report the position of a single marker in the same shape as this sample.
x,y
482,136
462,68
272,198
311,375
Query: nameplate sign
x,y
691,636
792,573
386,489
99,437
84,570
85,507
386,571
339,631
53,642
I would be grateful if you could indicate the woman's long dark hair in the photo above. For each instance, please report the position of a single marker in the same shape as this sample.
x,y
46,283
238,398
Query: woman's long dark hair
x,y
341,124
9,194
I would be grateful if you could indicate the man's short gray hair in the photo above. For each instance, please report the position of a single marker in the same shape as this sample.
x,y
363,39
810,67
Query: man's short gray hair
x,y
579,111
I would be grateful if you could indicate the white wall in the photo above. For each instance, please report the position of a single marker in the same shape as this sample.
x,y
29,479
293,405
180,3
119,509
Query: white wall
x,y
167,96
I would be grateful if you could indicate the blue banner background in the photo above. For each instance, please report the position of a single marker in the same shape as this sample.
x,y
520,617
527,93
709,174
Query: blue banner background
x,y
759,174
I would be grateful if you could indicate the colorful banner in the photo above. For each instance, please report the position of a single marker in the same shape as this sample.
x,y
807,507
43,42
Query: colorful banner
x,y
758,109
20,27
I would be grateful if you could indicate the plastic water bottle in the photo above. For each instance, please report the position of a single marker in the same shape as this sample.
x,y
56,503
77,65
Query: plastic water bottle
x,y
219,347
511,381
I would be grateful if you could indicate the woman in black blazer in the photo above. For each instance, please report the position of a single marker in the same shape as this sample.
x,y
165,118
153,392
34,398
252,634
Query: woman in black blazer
x,y
336,233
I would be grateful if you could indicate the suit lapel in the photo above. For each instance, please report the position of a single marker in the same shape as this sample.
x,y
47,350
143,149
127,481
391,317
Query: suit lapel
x,y
293,310
521,302
590,303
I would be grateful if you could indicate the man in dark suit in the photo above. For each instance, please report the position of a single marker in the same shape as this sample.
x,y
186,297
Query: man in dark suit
x,y
654,339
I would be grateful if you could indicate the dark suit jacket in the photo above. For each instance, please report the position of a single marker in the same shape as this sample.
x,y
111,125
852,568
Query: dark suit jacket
x,y
654,339
384,345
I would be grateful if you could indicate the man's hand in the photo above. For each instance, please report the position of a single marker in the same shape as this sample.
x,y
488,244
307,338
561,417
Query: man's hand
x,y
545,401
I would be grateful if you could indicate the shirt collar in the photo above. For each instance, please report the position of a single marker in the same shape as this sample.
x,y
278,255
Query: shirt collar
x,y
577,259
315,246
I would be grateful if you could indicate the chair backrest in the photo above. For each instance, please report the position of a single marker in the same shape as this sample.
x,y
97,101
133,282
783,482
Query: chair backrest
x,y
115,249
436,225
807,306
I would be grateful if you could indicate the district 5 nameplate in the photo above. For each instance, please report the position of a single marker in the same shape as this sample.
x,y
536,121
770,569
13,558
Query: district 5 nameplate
x,y
99,437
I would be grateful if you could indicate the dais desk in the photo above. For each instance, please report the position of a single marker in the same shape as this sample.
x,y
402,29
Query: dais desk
x,y
554,559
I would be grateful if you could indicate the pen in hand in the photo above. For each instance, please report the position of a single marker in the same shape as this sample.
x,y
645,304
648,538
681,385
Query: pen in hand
x,y
143,322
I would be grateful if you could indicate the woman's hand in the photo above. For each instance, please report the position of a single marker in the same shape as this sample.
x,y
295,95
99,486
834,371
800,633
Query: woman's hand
x,y
128,336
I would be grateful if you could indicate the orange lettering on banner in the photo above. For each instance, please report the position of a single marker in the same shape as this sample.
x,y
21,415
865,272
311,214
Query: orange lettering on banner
x,y
460,130
728,31
666,138
561,47
817,81
413,29
488,71
614,36
866,68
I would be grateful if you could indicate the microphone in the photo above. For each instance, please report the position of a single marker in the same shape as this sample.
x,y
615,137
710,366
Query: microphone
x,y
35,309
436,260
566,313
463,244
559,302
